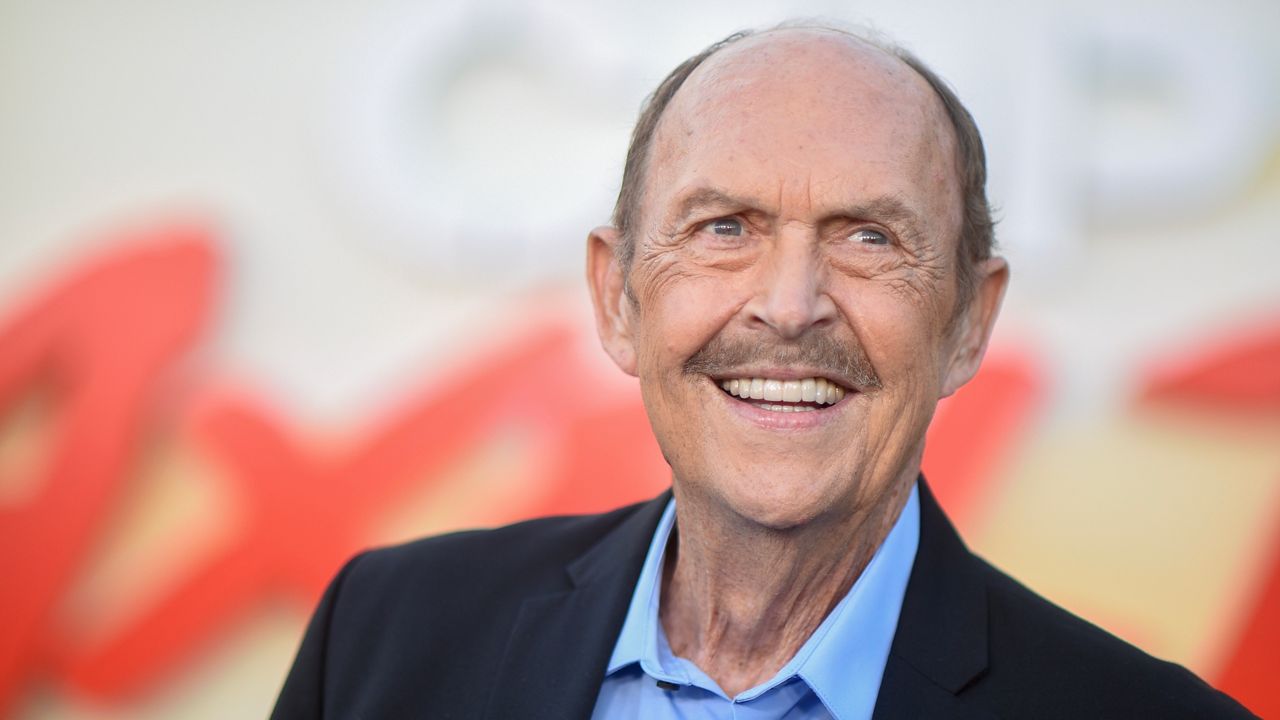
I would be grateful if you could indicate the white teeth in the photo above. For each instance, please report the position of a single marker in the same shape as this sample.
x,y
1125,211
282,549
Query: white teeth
x,y
812,390
788,408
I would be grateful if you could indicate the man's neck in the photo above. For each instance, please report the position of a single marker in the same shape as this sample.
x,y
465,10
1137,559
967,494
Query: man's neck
x,y
740,600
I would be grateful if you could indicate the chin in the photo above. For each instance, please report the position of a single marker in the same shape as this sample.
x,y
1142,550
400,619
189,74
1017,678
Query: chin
x,y
779,501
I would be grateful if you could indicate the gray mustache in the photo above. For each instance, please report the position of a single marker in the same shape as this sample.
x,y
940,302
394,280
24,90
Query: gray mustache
x,y
723,355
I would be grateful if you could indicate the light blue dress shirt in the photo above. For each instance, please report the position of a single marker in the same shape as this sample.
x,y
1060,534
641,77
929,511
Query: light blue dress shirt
x,y
835,674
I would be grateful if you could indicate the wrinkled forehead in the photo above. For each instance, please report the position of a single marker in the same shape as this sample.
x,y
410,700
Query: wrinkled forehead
x,y
821,107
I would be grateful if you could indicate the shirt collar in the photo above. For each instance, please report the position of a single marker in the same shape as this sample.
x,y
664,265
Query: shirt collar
x,y
842,661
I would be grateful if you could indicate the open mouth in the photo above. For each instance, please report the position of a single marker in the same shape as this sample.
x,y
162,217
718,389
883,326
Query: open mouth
x,y
806,395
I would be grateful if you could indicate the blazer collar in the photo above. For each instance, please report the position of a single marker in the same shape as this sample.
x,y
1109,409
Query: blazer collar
x,y
555,659
941,642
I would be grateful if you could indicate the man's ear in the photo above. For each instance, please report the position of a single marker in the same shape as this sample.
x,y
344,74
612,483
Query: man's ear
x,y
614,312
972,329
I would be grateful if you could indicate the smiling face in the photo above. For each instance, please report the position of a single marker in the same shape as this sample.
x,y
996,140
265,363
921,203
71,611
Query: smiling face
x,y
792,307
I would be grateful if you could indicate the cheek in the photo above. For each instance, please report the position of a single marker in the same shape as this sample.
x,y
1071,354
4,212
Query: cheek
x,y
681,314
902,334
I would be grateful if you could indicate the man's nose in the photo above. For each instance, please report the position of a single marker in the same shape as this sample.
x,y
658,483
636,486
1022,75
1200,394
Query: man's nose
x,y
792,297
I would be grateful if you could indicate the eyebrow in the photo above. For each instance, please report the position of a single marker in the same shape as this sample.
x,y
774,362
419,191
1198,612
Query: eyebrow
x,y
705,198
887,209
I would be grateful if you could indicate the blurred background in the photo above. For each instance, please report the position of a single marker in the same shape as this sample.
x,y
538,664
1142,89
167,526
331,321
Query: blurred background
x,y
280,281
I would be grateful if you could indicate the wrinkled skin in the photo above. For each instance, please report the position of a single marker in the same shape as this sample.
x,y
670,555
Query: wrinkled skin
x,y
802,185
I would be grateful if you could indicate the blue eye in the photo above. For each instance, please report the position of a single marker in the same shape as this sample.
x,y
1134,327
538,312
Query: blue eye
x,y
724,226
871,237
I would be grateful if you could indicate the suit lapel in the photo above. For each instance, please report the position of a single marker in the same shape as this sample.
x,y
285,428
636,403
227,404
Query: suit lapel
x,y
941,642
555,659
906,693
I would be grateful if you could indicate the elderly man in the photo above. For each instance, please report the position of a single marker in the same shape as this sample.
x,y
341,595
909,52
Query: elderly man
x,y
800,267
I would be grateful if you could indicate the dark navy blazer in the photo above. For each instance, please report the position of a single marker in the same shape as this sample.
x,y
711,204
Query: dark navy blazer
x,y
519,622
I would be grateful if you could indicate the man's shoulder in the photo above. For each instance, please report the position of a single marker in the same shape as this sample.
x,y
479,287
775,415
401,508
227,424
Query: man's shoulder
x,y
1065,666
530,556
433,618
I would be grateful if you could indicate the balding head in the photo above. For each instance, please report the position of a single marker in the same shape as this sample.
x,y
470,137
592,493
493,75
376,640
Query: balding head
x,y
871,75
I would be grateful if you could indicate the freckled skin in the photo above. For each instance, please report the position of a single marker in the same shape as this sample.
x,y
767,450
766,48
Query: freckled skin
x,y
798,127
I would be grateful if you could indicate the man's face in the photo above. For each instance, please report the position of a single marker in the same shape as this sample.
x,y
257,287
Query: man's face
x,y
798,234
